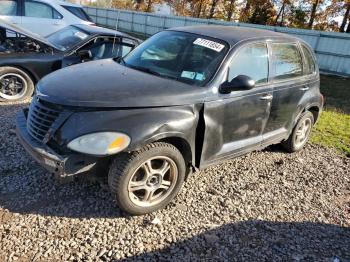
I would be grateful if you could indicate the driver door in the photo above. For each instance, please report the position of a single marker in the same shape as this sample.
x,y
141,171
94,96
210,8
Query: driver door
x,y
234,123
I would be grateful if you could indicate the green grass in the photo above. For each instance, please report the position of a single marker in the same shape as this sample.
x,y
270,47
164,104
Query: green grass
x,y
333,127
333,130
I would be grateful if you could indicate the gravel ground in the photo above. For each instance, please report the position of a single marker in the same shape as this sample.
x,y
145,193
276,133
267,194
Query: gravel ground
x,y
267,205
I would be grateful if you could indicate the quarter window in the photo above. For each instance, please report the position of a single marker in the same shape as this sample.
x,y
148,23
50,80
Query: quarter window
x,y
252,61
77,11
287,62
40,10
309,61
8,7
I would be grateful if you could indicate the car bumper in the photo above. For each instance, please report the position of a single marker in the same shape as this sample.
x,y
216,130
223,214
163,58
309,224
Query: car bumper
x,y
60,166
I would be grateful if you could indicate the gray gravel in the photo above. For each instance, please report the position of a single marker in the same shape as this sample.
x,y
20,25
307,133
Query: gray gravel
x,y
268,205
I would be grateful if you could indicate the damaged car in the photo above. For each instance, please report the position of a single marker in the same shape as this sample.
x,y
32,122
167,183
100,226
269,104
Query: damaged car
x,y
185,99
26,57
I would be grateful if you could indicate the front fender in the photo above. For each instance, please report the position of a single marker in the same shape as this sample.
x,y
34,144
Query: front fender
x,y
142,125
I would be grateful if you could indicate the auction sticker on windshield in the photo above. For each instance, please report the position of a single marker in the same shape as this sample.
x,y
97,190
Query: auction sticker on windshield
x,y
209,44
81,35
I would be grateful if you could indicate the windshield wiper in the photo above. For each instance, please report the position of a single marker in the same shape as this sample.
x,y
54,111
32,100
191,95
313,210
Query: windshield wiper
x,y
147,70
144,69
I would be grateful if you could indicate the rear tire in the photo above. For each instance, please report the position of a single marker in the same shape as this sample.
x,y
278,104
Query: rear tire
x,y
300,134
146,180
15,84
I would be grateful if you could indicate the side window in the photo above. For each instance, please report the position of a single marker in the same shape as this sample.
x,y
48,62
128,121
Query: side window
x,y
78,12
40,10
8,7
309,61
287,62
126,50
252,61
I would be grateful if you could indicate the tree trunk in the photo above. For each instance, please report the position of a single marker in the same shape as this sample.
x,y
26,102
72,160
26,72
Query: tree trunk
x,y
200,8
279,13
149,6
345,18
348,29
138,4
313,13
212,9
230,10
245,12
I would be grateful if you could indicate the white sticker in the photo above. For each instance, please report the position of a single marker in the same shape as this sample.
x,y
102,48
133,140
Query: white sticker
x,y
209,44
81,35
200,76
188,74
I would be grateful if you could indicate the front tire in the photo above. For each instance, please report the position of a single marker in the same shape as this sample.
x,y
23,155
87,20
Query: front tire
x,y
15,84
300,134
146,180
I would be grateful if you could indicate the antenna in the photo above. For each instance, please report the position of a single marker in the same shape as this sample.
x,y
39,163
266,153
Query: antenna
x,y
116,29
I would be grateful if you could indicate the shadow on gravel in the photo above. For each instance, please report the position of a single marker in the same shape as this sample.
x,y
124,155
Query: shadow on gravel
x,y
39,193
260,241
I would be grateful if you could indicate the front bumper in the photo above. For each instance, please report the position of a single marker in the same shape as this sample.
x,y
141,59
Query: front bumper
x,y
60,166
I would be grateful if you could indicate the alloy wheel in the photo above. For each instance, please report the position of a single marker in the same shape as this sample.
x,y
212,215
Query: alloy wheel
x,y
12,86
153,181
303,132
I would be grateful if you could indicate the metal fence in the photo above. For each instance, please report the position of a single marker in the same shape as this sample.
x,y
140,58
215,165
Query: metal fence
x,y
332,49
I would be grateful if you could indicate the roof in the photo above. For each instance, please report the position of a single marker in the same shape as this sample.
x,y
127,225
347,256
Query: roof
x,y
231,34
60,2
97,30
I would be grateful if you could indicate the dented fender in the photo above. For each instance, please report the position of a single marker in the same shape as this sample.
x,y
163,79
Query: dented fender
x,y
142,125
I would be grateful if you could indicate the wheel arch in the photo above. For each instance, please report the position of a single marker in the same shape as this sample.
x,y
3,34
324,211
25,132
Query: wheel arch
x,y
32,76
179,141
183,146
315,110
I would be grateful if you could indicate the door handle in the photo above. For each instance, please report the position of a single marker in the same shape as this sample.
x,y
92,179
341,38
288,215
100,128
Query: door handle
x,y
305,88
266,97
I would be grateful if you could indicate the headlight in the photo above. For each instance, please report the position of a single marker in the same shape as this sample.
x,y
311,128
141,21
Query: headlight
x,y
102,143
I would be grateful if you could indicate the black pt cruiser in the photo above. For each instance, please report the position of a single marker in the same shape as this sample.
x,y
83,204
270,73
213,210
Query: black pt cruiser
x,y
185,99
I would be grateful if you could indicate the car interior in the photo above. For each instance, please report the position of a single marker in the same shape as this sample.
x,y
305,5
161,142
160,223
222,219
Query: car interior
x,y
106,47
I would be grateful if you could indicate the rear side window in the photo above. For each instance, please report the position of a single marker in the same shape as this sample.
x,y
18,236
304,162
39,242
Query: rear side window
x,y
252,61
77,11
287,62
40,10
309,61
8,7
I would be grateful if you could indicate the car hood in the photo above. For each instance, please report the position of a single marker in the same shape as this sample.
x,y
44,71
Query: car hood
x,y
105,83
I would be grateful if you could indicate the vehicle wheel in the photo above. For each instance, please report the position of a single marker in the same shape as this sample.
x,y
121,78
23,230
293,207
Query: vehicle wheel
x,y
148,179
300,133
15,85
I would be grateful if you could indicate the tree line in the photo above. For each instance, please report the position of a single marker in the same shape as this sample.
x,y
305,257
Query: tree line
x,y
327,15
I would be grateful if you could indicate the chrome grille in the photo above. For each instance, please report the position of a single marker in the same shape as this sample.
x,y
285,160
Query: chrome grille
x,y
40,119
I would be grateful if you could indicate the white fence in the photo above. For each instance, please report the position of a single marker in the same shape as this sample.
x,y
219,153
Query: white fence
x,y
332,49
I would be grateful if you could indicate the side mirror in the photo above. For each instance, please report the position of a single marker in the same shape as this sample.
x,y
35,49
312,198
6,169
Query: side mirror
x,y
85,54
240,82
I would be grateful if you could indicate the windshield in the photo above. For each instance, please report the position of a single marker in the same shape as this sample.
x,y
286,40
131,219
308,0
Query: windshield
x,y
185,57
67,37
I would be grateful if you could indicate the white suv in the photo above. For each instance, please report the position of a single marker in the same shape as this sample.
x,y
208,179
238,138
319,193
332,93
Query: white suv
x,y
42,16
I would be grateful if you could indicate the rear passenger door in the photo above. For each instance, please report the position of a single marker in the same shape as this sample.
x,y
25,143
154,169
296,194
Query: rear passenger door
x,y
10,11
41,18
288,83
